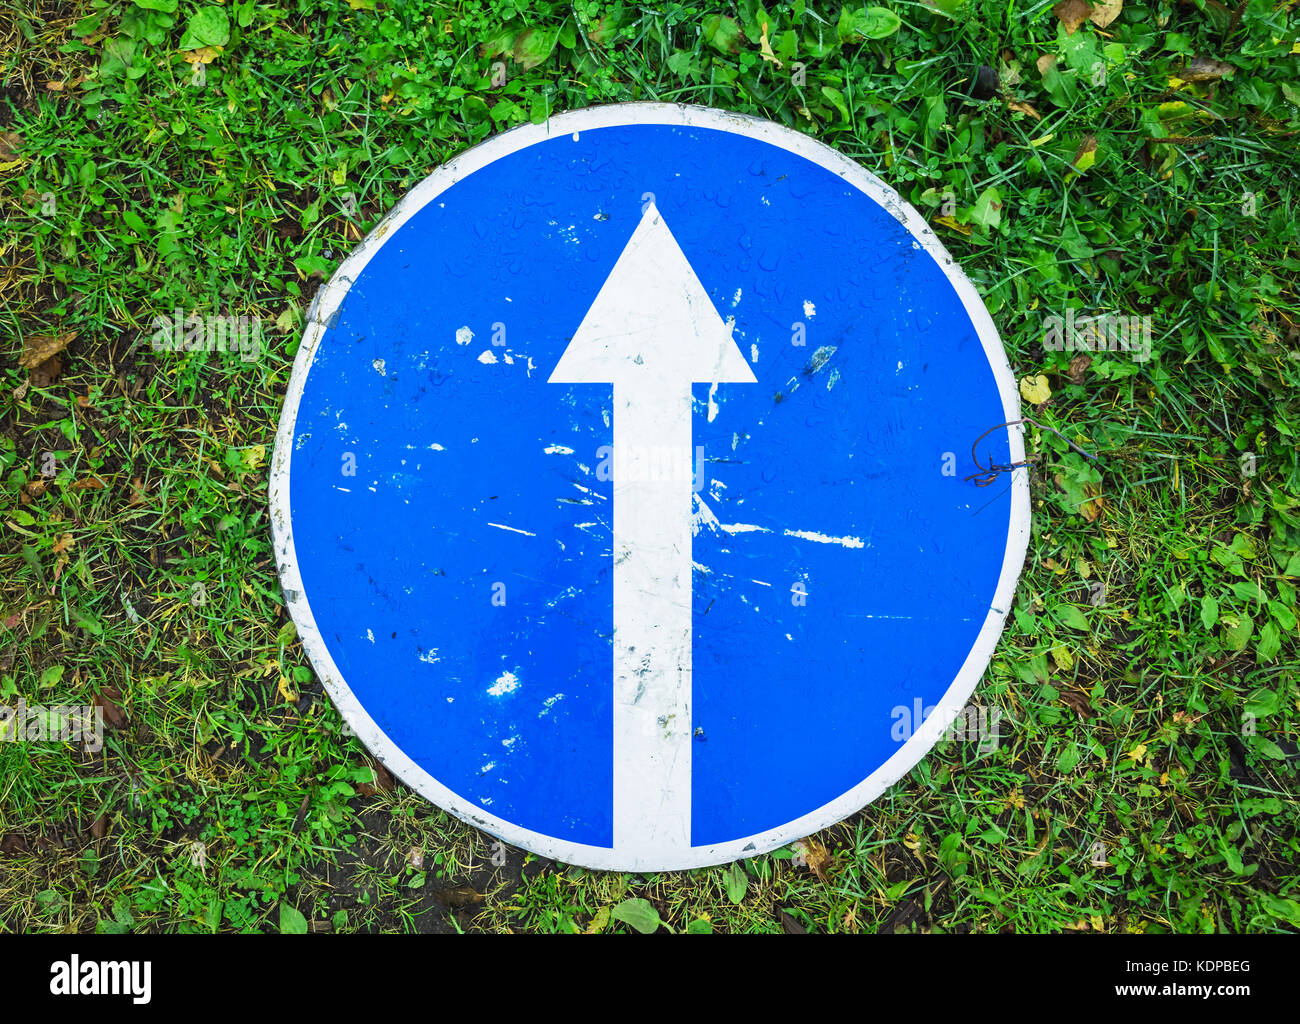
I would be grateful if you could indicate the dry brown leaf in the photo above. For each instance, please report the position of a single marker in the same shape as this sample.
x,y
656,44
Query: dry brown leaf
x,y
47,373
12,844
90,483
1079,701
65,543
458,896
137,492
1078,367
1204,69
383,783
1047,60
814,856
40,347
11,622
789,924
1105,11
1090,510
114,716
10,144
1072,14
1024,108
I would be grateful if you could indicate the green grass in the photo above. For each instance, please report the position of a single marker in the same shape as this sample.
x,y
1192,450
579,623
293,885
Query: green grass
x,y
1160,718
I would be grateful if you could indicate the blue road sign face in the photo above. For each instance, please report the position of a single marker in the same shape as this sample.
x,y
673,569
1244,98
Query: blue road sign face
x,y
620,494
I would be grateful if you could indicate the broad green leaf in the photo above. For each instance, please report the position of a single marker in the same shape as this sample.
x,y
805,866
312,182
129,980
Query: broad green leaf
x,y
948,8
722,33
987,211
736,882
208,26
534,45
1270,642
638,914
877,22
836,97
1068,758
1239,634
166,6
291,921
1283,909
1209,612
474,110
1070,616
699,927
1232,857
869,23
1263,702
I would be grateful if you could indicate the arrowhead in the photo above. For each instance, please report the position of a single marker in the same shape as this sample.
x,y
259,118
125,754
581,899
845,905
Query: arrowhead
x,y
652,320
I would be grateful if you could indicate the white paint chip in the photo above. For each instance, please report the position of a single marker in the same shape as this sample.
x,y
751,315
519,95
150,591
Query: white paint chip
x,y
512,529
821,538
464,335
507,682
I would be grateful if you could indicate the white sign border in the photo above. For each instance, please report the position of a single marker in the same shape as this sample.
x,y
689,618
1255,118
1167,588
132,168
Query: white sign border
x,y
326,303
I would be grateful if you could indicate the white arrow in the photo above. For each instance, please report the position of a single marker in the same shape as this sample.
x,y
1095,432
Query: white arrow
x,y
652,332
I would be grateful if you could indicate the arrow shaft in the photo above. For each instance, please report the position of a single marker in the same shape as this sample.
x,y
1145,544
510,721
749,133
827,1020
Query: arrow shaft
x,y
652,616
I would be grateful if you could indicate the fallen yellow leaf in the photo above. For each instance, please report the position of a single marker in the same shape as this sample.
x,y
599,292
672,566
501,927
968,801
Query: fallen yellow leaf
x,y
1086,155
1024,108
949,222
1105,11
254,457
1034,390
765,48
206,55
